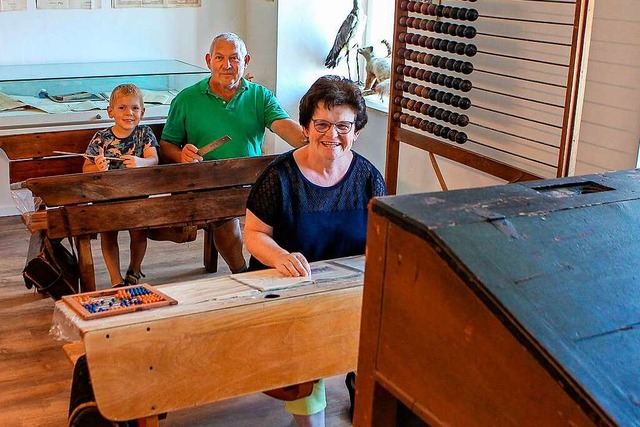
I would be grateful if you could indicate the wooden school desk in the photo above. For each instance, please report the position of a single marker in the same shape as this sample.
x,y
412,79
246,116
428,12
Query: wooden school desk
x,y
223,339
514,305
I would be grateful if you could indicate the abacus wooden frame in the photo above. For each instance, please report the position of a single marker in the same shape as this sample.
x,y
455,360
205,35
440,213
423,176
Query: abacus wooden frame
x,y
574,96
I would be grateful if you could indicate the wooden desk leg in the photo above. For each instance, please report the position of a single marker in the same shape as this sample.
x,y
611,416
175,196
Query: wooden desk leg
x,y
85,264
151,421
210,251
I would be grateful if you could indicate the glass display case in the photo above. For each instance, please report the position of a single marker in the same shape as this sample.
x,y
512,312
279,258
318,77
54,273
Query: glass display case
x,y
49,97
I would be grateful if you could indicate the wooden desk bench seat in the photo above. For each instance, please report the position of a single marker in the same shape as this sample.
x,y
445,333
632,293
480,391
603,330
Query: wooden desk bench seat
x,y
200,194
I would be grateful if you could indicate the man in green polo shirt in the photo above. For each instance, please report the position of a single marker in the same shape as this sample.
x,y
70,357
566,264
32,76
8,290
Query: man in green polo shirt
x,y
225,104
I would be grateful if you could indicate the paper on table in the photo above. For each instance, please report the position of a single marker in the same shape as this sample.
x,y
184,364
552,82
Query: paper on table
x,y
272,279
8,102
356,262
46,105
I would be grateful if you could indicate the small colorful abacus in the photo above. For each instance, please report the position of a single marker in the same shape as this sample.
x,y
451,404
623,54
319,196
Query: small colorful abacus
x,y
117,301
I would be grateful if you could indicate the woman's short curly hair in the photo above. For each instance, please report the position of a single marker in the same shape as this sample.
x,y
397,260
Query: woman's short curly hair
x,y
331,91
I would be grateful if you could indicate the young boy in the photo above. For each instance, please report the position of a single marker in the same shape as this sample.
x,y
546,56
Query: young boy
x,y
126,144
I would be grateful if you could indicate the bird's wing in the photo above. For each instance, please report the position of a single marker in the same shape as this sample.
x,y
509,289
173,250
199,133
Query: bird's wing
x,y
343,38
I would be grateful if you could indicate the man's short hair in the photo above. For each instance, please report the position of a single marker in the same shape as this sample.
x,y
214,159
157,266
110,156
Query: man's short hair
x,y
231,38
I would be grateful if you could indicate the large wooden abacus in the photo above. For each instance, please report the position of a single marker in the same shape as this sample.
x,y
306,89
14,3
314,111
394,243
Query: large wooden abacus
x,y
496,85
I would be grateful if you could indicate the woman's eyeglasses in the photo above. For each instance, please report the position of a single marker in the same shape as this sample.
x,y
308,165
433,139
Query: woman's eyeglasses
x,y
323,126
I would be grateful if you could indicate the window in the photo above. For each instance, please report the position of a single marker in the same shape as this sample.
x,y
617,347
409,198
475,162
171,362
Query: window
x,y
379,26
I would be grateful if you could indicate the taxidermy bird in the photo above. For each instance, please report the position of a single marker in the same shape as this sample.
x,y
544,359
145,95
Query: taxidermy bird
x,y
347,38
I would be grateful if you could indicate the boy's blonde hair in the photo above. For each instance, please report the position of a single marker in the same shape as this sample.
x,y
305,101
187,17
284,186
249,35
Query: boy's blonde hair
x,y
126,89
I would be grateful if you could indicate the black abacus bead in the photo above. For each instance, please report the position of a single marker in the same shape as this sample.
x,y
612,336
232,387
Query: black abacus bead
x,y
467,68
430,127
447,98
442,62
452,135
436,44
455,100
434,77
457,67
414,38
470,50
454,12
440,96
428,43
439,9
462,14
453,118
472,15
441,79
444,132
460,47
470,32
438,113
445,116
433,93
461,30
461,138
462,120
449,64
466,86
445,27
437,27
451,46
448,82
465,103
432,110
453,29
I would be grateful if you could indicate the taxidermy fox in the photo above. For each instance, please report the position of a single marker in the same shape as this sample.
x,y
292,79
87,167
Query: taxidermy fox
x,y
378,68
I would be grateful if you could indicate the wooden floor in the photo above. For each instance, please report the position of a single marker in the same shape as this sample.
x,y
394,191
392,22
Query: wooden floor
x,y
35,374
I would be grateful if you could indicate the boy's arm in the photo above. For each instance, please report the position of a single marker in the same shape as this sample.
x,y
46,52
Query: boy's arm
x,y
150,158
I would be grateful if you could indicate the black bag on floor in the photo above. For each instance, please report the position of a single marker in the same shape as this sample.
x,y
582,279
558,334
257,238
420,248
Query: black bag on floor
x,y
50,267
83,410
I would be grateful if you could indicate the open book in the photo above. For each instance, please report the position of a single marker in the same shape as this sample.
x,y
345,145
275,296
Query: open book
x,y
322,272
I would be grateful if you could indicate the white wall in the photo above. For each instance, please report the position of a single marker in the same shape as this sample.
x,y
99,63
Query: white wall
x,y
303,45
611,115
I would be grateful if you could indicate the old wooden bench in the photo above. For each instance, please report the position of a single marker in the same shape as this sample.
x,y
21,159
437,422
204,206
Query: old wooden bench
x,y
32,156
81,205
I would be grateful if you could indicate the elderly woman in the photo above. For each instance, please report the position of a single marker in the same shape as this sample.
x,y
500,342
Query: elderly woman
x,y
311,203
